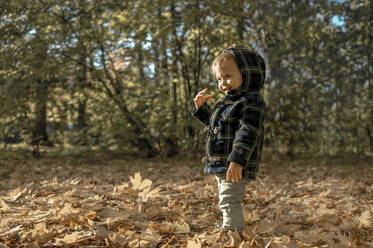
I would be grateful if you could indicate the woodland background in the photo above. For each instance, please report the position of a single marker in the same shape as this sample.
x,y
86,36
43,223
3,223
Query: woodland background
x,y
108,83
122,75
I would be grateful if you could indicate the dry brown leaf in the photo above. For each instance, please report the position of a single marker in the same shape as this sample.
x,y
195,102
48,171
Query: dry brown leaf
x,y
345,240
108,212
73,238
195,243
3,206
122,187
322,210
180,228
92,215
119,240
144,194
152,238
266,226
366,220
40,234
12,231
14,192
138,243
17,193
307,237
155,212
235,239
329,237
166,227
68,209
253,216
245,245
101,232
154,192
162,227
113,223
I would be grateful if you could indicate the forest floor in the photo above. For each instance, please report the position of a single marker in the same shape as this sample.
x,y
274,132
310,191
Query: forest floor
x,y
99,200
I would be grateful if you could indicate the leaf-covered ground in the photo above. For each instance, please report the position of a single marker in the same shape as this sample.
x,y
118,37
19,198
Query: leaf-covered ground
x,y
73,201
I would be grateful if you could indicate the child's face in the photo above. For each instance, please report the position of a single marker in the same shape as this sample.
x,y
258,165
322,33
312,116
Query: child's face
x,y
228,75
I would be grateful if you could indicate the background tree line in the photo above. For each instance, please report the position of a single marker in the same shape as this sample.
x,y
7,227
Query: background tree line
x,y
107,73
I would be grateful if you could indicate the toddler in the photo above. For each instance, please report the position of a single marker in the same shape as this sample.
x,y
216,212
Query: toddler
x,y
235,128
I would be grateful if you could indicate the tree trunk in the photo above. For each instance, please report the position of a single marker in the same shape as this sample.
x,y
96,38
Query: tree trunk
x,y
370,75
82,102
370,136
146,139
240,25
40,134
82,114
189,132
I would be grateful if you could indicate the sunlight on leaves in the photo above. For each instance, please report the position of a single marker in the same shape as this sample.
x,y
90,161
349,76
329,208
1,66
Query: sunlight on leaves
x,y
138,183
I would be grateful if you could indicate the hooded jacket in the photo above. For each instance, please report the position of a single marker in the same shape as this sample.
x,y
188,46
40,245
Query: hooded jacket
x,y
234,126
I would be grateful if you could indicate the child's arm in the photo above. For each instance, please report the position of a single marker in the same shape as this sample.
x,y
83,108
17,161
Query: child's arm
x,y
246,138
202,111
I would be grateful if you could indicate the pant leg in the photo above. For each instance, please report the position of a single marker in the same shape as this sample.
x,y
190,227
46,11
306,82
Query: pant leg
x,y
230,202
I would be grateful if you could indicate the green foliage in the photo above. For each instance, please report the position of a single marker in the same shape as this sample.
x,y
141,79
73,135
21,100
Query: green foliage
x,y
124,74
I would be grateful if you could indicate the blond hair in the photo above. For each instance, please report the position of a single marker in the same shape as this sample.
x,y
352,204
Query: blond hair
x,y
222,58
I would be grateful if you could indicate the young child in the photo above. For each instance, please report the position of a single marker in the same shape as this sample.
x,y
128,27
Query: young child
x,y
235,128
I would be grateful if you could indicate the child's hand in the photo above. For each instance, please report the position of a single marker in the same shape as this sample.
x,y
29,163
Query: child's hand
x,y
234,172
200,98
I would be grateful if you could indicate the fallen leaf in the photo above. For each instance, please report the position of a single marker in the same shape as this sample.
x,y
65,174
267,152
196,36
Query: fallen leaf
x,y
73,238
3,206
366,220
265,227
194,244
41,234
235,238
162,227
138,183
180,228
166,227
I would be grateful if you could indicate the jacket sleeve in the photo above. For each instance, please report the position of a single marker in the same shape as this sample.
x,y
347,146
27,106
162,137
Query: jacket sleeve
x,y
247,136
203,114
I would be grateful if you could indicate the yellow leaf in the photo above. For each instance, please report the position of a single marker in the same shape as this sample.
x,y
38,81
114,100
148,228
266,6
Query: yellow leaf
x,y
138,183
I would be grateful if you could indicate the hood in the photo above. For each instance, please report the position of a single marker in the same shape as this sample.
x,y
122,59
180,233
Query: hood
x,y
252,68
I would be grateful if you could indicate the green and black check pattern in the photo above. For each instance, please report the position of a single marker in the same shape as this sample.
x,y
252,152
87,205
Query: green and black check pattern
x,y
235,124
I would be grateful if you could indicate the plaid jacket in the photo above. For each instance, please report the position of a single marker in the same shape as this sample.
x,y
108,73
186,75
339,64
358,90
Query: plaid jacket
x,y
235,125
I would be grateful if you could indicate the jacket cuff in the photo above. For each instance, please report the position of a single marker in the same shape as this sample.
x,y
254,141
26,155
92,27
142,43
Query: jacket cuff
x,y
202,113
238,156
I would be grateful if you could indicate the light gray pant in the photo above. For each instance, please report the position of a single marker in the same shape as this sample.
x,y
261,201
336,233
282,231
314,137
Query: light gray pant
x,y
230,202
